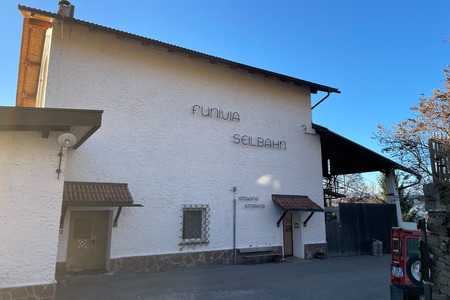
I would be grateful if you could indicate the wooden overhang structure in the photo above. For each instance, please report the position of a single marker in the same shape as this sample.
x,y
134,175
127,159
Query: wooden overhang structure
x,y
96,194
80,122
36,23
31,58
342,156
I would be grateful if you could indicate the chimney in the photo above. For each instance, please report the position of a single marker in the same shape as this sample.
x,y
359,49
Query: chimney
x,y
66,9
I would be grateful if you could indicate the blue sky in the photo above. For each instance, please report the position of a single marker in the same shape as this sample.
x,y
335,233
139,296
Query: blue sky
x,y
381,54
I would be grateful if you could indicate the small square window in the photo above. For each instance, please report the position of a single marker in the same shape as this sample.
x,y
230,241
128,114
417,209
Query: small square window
x,y
192,224
195,225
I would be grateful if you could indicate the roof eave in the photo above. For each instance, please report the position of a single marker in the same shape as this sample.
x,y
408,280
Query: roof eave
x,y
144,40
383,162
81,122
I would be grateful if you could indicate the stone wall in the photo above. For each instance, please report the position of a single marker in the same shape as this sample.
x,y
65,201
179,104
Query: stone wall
x,y
163,262
46,291
438,241
166,262
312,250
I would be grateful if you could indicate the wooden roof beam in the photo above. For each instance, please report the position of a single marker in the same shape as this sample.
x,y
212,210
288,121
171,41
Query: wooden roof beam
x,y
40,23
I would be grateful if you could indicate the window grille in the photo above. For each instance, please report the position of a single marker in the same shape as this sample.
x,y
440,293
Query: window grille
x,y
194,225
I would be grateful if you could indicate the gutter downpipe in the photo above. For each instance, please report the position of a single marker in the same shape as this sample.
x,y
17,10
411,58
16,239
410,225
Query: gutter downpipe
x,y
234,225
328,94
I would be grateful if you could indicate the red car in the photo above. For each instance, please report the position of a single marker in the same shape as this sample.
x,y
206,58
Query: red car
x,y
405,265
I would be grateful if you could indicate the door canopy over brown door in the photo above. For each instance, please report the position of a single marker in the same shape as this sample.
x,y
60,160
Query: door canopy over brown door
x,y
296,203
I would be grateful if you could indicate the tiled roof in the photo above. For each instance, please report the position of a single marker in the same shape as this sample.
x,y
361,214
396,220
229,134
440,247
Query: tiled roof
x,y
295,202
213,59
96,194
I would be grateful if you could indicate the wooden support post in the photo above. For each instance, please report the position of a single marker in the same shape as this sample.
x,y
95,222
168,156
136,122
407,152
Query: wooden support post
x,y
116,218
307,219
282,216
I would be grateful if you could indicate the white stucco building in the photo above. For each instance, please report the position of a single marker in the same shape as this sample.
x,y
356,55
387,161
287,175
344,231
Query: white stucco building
x,y
180,158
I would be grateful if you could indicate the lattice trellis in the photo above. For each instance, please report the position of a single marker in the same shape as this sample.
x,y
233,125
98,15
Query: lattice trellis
x,y
440,159
194,225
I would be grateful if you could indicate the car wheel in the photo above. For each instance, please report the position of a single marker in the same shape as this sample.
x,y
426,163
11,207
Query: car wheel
x,y
413,270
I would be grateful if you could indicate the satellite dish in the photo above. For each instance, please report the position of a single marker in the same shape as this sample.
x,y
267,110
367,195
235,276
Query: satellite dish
x,y
67,140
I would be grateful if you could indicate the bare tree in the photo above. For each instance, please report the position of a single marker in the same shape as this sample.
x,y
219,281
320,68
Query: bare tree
x,y
356,190
407,142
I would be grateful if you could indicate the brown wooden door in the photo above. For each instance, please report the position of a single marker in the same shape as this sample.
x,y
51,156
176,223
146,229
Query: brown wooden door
x,y
287,235
88,237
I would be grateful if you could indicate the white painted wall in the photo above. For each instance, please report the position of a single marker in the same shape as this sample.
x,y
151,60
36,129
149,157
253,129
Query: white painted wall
x,y
392,195
169,156
30,206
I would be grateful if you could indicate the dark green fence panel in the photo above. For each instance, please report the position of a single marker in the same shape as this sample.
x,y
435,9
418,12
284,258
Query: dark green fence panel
x,y
358,225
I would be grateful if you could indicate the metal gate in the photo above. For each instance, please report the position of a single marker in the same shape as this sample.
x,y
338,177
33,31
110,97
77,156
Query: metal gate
x,y
358,225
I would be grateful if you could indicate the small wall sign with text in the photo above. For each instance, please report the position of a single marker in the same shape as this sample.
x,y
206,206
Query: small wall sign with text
x,y
254,205
251,205
248,198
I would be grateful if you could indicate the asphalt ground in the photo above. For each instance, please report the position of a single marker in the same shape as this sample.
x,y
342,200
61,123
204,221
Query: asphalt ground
x,y
354,277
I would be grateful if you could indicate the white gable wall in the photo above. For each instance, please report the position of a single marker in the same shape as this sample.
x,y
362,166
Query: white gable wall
x,y
30,206
169,156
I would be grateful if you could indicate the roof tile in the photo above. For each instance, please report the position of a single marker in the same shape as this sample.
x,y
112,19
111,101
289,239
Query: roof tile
x,y
96,193
296,202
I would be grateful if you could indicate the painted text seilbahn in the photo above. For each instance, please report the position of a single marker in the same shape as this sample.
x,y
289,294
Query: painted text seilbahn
x,y
257,141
